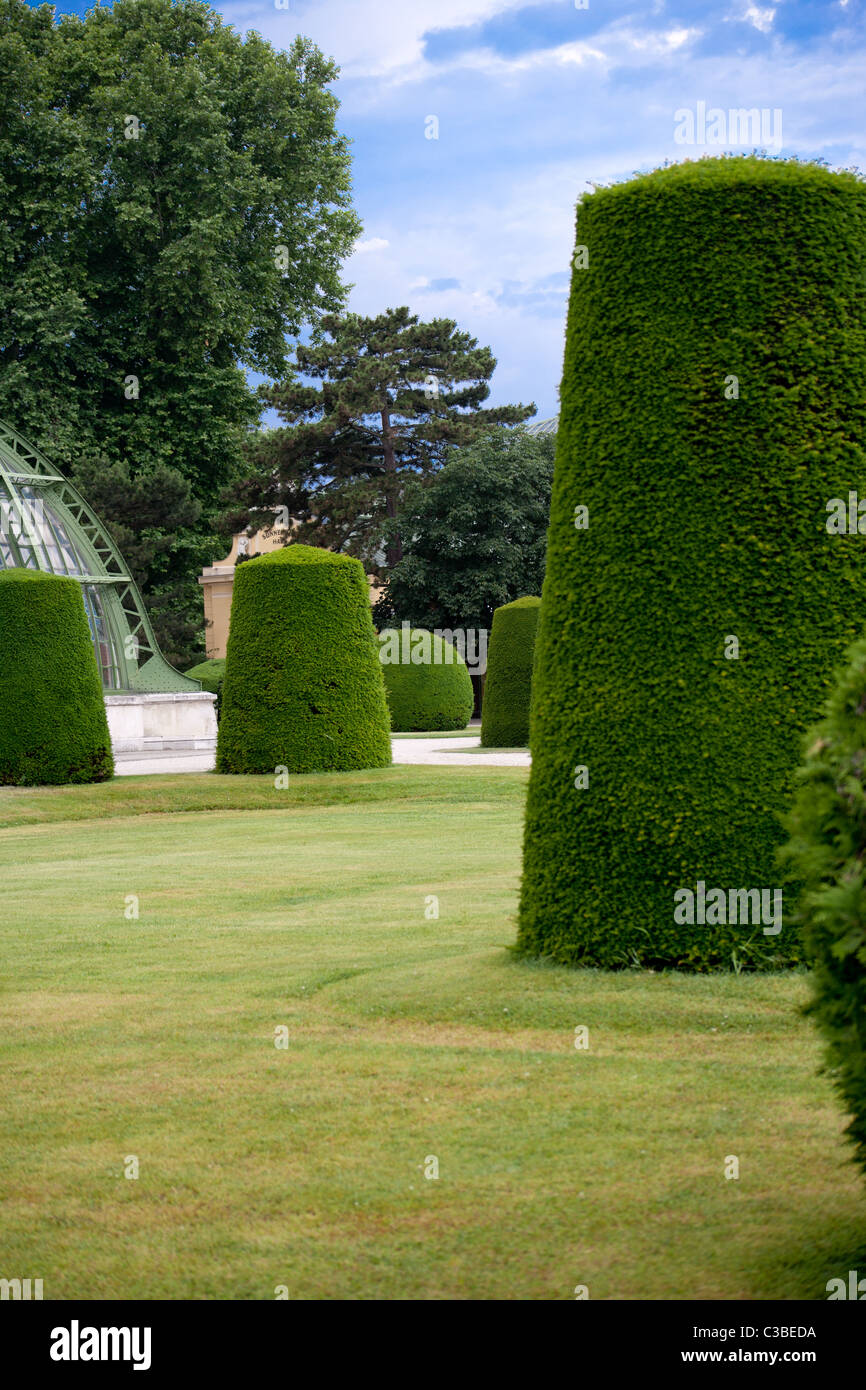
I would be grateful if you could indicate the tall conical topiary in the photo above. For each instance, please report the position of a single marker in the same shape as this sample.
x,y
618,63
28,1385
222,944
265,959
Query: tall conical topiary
x,y
824,858
699,586
53,728
508,687
426,680
303,687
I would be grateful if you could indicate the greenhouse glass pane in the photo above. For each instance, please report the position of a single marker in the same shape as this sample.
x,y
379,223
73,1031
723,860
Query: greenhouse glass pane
x,y
106,656
33,519
71,558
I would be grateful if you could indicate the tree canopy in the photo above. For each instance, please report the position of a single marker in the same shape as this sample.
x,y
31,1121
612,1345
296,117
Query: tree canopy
x,y
176,201
395,395
476,535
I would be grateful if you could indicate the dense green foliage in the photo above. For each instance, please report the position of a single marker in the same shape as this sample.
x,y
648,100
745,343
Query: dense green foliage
x,y
825,860
707,522
508,688
210,673
53,727
176,200
476,535
433,691
154,518
303,687
396,396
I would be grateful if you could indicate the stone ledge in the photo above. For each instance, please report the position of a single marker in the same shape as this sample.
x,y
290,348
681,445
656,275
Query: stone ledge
x,y
162,722
159,697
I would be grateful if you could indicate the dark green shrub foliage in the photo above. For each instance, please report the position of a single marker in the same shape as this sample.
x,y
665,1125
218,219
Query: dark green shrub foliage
x,y
707,519
53,727
210,673
303,688
474,537
825,858
505,712
432,692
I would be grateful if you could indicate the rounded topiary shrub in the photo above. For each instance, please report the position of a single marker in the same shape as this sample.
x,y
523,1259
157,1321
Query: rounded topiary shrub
x,y
210,674
700,587
428,683
507,689
53,727
824,859
303,687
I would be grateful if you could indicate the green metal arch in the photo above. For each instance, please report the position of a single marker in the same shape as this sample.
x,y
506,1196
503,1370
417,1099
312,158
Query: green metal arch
x,y
127,654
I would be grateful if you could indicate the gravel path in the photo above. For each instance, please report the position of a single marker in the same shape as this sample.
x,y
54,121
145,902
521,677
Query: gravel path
x,y
438,752
458,751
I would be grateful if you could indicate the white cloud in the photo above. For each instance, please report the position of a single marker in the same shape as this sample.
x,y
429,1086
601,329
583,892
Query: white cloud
x,y
373,243
384,39
497,249
495,65
368,38
761,18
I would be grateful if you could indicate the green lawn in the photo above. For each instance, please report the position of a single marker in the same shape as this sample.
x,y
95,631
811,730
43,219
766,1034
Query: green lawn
x,y
507,748
471,731
408,1038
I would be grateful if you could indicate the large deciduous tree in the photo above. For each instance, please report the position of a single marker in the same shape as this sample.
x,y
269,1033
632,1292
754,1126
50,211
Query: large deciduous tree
x,y
395,396
176,202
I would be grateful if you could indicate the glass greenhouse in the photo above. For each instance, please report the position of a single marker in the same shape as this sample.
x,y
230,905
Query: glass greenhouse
x,y
46,524
548,426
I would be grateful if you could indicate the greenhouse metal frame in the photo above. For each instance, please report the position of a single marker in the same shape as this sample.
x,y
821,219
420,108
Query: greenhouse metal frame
x,y
46,524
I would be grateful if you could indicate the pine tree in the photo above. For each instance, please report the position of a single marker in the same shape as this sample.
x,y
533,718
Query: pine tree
x,y
396,395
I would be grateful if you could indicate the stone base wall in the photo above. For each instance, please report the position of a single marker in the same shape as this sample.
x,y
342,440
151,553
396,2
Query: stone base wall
x,y
175,721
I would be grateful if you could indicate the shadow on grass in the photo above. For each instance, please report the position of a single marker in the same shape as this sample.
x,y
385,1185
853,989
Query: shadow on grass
x,y
802,1270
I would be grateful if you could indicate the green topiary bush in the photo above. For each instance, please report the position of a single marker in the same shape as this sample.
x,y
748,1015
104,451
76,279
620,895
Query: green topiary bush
x,y
211,674
695,603
507,690
428,683
53,727
303,688
824,858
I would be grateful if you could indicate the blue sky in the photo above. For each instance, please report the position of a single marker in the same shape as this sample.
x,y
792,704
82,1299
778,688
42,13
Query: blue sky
x,y
535,100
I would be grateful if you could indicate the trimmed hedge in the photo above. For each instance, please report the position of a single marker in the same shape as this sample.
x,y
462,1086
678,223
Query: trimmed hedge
x,y
507,690
53,728
432,692
303,688
210,673
824,857
707,510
